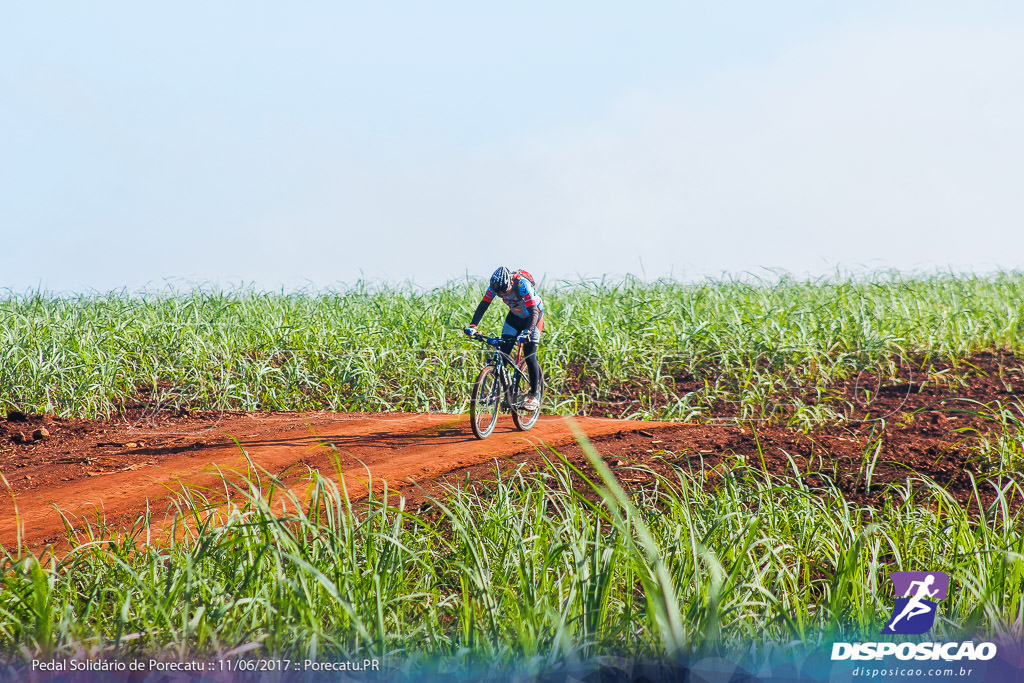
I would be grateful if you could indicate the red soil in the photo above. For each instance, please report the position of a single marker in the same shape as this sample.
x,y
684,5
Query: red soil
x,y
115,468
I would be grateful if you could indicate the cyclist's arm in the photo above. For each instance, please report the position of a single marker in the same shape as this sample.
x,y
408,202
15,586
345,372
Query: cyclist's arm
x,y
526,291
478,314
534,312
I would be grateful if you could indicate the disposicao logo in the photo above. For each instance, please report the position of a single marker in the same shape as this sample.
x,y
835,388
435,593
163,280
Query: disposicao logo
x,y
918,596
914,613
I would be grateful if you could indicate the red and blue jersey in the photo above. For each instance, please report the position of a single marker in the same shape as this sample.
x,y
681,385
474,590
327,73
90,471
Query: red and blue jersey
x,y
521,297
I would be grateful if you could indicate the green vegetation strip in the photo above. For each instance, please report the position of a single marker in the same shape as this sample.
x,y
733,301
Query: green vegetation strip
x,y
747,345
546,566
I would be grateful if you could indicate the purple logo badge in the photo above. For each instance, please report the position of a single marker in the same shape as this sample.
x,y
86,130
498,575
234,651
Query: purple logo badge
x,y
918,594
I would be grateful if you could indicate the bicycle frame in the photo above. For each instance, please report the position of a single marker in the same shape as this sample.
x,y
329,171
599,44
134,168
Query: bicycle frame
x,y
503,361
506,386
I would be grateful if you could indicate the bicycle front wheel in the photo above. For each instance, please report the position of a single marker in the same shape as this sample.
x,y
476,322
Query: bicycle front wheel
x,y
524,419
484,403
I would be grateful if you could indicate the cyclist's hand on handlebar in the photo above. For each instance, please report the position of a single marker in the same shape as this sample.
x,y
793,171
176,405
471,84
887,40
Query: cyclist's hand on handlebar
x,y
524,336
470,331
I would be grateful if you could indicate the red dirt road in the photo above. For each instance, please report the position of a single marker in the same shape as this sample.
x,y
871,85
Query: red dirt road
x,y
919,427
115,471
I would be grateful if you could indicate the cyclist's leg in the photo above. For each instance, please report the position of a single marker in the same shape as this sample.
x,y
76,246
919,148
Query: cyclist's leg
x,y
513,326
530,351
532,366
531,363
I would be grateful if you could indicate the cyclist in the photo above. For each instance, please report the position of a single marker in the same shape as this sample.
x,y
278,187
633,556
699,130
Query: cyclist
x,y
524,321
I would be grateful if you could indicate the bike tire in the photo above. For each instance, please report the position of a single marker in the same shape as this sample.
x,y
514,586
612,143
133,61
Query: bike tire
x,y
521,387
485,402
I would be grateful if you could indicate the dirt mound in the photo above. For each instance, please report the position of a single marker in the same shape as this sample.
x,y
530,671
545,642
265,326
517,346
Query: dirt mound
x,y
893,387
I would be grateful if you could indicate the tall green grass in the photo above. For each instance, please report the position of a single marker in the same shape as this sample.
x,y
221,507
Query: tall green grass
x,y
544,567
744,343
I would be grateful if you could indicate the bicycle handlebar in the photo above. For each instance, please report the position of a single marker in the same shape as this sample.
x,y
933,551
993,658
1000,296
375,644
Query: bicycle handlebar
x,y
492,341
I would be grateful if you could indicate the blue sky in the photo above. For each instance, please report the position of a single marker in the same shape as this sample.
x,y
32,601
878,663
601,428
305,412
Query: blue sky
x,y
293,146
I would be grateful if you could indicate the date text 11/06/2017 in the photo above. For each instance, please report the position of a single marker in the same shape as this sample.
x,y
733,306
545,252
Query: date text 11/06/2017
x,y
203,666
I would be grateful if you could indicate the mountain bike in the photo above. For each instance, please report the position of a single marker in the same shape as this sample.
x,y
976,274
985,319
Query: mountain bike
x,y
503,381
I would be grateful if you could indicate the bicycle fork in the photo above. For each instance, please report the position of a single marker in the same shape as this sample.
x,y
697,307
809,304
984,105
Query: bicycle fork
x,y
505,385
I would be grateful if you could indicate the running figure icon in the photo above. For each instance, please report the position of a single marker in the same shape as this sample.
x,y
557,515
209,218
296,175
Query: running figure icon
x,y
914,612
915,606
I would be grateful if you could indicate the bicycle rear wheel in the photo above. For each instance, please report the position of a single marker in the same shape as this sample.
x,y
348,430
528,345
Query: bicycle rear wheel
x,y
524,419
485,402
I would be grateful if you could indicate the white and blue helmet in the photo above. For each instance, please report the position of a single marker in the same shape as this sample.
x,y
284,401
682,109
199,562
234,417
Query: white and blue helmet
x,y
501,279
